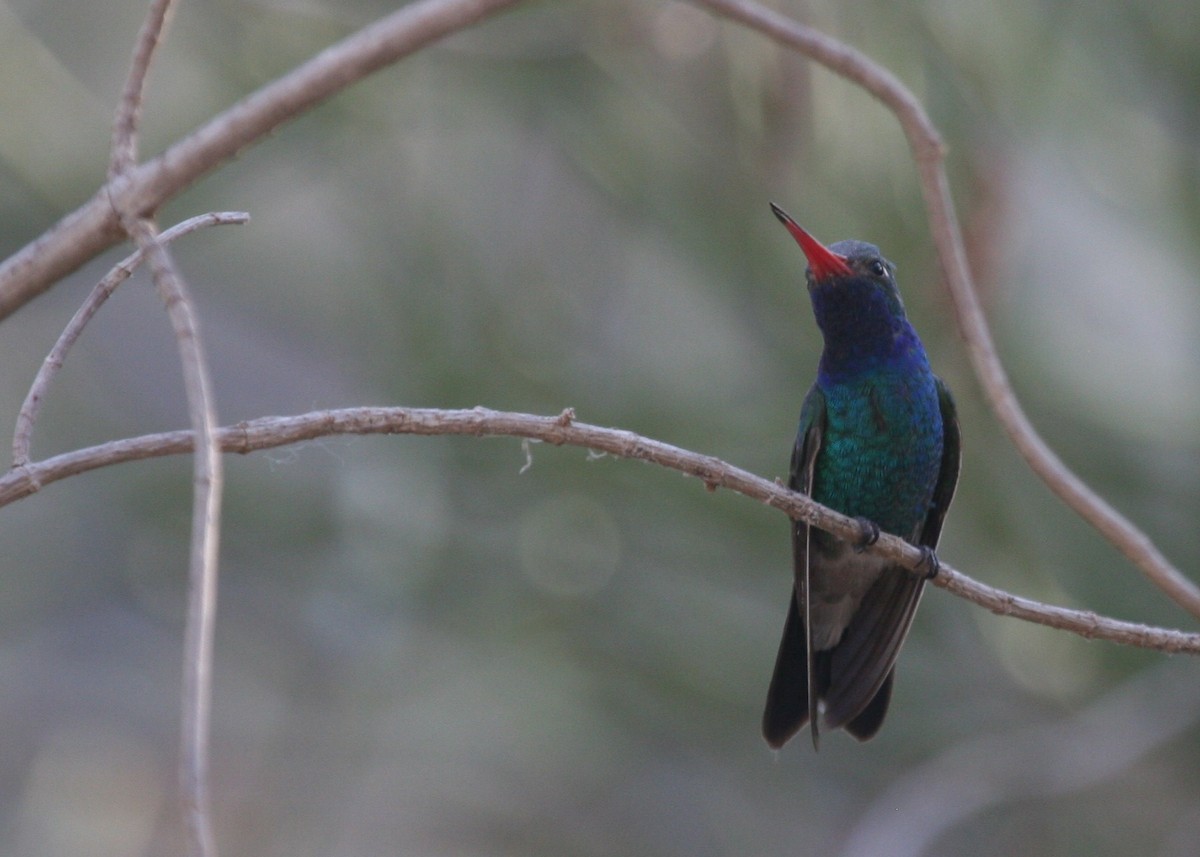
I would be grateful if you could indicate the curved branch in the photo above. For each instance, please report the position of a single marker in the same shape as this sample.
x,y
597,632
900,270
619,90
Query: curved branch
x,y
95,226
271,432
207,484
207,463
31,407
928,152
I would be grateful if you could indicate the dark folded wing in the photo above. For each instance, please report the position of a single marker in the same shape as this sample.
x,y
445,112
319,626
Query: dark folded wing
x,y
947,481
863,660
861,666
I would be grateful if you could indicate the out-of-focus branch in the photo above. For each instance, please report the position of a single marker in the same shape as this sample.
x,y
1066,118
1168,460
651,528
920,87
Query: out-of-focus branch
x,y
207,483
27,418
123,154
95,226
207,466
271,432
928,153
1030,764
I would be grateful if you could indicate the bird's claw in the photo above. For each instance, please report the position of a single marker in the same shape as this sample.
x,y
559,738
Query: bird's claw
x,y
930,562
868,534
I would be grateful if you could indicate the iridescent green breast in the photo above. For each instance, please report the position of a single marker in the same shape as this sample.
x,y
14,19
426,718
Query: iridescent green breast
x,y
881,449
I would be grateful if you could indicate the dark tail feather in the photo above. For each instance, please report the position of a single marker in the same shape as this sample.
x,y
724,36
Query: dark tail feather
x,y
787,710
867,723
787,699
814,687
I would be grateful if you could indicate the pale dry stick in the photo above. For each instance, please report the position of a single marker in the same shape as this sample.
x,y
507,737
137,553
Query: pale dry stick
x,y
123,155
207,483
929,153
273,432
207,463
95,226
26,419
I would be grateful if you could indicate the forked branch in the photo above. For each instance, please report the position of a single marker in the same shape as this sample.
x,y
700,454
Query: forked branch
x,y
95,226
31,408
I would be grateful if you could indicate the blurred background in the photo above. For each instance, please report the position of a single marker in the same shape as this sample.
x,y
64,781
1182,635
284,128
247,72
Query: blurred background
x,y
422,650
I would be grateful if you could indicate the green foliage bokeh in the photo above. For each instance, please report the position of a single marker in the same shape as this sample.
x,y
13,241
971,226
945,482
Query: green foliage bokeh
x,y
422,649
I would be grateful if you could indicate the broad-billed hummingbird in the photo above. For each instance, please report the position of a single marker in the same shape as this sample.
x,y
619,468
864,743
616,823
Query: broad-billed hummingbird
x,y
878,441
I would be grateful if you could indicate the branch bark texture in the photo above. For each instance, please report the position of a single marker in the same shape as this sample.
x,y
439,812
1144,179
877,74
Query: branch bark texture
x,y
564,429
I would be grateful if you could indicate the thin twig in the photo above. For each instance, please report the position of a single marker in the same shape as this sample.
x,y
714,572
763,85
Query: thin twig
x,y
928,152
207,462
94,226
207,482
123,156
272,432
22,436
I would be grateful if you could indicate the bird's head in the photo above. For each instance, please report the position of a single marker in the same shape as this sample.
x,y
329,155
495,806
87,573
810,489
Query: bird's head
x,y
849,266
854,293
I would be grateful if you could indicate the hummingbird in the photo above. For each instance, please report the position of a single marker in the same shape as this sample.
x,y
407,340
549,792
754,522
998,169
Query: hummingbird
x,y
878,441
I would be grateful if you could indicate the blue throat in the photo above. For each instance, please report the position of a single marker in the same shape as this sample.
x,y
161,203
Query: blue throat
x,y
865,332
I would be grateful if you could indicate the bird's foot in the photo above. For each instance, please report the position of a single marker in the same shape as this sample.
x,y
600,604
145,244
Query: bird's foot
x,y
868,534
929,562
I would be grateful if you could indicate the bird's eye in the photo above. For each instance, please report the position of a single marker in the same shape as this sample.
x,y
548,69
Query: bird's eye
x,y
877,268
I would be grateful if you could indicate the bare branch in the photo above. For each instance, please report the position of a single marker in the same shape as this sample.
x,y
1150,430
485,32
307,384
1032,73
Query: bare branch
x,y
95,226
196,695
207,465
123,157
207,481
928,152
271,432
23,435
